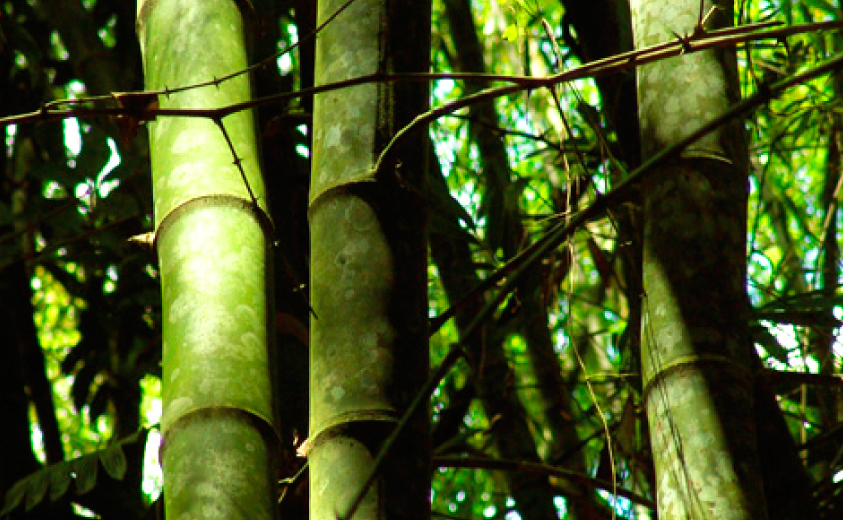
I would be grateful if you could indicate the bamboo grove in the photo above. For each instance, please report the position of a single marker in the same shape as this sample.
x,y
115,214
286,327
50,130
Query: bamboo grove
x,y
378,259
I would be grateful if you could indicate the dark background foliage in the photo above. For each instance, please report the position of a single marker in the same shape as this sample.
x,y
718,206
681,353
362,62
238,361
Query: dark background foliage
x,y
79,303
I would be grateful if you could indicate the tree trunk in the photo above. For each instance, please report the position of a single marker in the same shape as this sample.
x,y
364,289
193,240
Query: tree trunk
x,y
369,351
695,343
214,254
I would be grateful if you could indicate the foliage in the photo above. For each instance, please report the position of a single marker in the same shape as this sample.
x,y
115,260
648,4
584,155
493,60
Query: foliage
x,y
104,469
66,211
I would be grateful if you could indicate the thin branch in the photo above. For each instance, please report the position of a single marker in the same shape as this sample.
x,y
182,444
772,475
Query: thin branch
x,y
613,64
540,469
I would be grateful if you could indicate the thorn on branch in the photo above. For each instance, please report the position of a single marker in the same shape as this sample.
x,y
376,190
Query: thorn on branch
x,y
699,30
684,41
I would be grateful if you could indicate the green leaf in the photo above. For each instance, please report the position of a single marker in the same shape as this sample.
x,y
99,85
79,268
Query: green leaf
x,y
85,470
114,461
36,486
60,478
510,34
14,497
